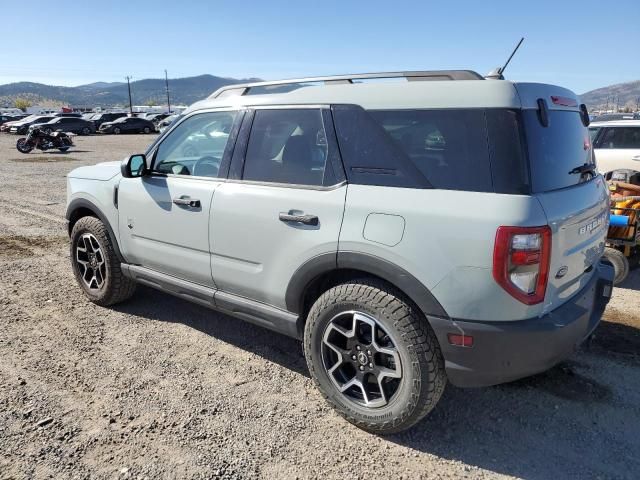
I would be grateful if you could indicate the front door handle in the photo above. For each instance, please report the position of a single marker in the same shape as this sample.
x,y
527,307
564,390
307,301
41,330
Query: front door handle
x,y
185,201
304,219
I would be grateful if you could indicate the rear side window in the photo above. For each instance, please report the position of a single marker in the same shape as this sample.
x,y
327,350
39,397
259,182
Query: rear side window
x,y
288,146
555,150
619,137
452,149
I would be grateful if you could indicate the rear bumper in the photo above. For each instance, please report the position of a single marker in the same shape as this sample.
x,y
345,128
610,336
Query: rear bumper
x,y
506,351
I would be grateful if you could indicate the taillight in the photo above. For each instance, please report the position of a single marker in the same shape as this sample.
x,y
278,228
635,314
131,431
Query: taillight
x,y
521,257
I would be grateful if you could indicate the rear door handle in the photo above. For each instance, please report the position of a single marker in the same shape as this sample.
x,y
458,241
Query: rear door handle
x,y
304,219
186,201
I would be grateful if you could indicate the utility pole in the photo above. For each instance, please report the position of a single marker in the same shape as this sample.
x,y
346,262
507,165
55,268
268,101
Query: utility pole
x,y
129,88
166,82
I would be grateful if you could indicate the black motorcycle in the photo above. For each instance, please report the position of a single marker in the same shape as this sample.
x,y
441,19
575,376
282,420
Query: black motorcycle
x,y
37,138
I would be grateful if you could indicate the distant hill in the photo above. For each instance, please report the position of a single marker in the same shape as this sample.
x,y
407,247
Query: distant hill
x,y
183,91
626,94
191,89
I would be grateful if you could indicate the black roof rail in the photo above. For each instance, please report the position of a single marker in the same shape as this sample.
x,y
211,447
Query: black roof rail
x,y
244,88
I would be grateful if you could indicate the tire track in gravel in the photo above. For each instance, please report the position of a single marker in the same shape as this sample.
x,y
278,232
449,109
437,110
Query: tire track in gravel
x,y
11,205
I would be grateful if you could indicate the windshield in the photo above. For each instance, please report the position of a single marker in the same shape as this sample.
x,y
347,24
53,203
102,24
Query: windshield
x,y
556,150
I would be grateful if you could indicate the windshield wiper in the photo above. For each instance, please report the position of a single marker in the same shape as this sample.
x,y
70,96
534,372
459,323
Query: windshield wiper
x,y
582,169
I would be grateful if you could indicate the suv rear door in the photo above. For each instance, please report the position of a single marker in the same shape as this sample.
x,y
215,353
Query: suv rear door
x,y
576,204
281,206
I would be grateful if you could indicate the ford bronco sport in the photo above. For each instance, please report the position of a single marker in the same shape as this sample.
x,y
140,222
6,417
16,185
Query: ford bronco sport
x,y
435,227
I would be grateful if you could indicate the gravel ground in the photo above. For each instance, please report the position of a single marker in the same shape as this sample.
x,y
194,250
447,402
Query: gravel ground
x,y
160,388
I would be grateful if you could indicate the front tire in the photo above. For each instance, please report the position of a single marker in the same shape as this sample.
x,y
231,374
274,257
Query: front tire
x,y
373,356
146,130
22,146
86,131
96,265
116,131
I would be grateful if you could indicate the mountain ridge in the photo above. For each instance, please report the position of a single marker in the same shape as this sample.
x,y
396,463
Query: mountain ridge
x,y
625,94
104,94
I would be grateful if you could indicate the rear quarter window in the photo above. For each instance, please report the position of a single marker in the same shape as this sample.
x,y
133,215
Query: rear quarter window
x,y
452,149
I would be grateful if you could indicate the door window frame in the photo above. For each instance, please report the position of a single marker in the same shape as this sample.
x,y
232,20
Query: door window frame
x,y
334,160
226,156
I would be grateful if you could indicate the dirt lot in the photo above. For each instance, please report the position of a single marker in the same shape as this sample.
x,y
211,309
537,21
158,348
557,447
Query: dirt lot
x,y
159,388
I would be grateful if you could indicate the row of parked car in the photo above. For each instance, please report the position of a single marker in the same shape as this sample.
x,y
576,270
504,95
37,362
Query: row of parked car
x,y
110,122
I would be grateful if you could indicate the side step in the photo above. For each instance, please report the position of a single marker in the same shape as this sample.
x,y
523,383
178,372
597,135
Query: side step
x,y
258,313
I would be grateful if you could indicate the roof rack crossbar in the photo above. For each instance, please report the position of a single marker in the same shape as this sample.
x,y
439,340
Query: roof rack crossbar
x,y
243,89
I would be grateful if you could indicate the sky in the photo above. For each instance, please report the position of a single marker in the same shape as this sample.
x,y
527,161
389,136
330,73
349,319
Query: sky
x,y
579,44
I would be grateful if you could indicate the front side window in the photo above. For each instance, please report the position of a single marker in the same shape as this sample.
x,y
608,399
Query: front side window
x,y
196,146
619,137
288,146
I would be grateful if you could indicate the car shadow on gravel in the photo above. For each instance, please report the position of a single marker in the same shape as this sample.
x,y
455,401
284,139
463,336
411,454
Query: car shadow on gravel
x,y
632,282
274,347
536,428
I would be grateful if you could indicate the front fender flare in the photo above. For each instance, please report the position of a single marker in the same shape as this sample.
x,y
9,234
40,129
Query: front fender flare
x,y
83,203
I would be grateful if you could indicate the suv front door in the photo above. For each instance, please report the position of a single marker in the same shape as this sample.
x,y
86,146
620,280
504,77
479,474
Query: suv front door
x,y
282,205
164,215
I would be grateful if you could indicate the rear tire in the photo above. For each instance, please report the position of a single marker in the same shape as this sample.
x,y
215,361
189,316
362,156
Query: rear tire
x,y
619,262
146,130
86,131
400,342
96,265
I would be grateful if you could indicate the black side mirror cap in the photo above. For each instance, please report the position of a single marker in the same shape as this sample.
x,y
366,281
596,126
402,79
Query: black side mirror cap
x,y
135,166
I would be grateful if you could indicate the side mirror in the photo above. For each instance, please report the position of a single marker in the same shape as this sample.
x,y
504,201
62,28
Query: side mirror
x,y
134,166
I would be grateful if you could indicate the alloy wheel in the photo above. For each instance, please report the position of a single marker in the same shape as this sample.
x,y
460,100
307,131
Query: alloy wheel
x,y
91,262
361,359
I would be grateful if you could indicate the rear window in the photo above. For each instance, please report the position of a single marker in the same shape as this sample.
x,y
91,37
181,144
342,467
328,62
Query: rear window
x,y
454,149
557,149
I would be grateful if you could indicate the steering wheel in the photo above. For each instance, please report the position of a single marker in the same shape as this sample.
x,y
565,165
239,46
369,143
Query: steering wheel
x,y
206,167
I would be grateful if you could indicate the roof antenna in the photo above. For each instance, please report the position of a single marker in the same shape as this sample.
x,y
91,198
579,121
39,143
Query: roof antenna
x,y
496,73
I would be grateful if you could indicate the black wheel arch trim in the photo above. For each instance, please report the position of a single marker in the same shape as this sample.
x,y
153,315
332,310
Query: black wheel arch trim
x,y
304,275
346,260
84,203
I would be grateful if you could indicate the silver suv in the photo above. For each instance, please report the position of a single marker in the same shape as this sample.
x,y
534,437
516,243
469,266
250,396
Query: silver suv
x,y
445,228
